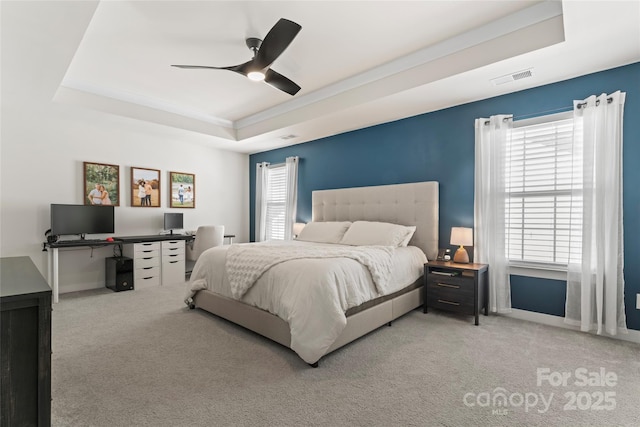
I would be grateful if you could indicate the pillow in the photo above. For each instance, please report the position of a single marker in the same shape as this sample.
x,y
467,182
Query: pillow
x,y
411,229
324,232
363,233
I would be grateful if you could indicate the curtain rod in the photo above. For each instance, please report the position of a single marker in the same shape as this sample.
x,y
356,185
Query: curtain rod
x,y
561,109
504,120
582,104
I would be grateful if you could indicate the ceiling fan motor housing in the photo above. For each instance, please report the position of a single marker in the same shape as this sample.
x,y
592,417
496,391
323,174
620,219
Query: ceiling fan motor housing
x,y
254,43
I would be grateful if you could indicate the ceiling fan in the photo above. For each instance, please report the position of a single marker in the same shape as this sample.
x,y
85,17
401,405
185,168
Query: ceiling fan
x,y
264,53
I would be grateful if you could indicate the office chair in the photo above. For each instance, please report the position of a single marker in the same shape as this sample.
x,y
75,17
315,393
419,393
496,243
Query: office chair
x,y
207,236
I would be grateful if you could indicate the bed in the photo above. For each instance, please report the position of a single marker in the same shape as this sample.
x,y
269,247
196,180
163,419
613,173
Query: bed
x,y
393,287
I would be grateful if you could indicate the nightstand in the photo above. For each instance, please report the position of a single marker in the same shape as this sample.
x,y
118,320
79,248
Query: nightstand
x,y
461,288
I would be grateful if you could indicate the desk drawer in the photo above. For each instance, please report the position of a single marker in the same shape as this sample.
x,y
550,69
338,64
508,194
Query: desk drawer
x,y
179,256
172,250
151,261
146,246
172,244
173,272
147,271
149,253
146,281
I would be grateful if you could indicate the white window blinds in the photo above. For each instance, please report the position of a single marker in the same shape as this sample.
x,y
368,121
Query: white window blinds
x,y
275,202
540,173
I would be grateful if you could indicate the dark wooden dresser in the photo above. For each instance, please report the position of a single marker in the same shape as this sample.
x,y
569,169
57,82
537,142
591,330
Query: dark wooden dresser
x,y
461,288
25,344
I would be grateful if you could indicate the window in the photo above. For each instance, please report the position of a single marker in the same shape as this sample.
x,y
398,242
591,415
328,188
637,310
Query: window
x,y
276,199
275,202
540,214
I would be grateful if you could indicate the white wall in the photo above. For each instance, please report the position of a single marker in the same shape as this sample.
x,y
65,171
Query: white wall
x,y
43,145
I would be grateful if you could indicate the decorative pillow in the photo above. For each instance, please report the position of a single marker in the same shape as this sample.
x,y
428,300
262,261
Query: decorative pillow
x,y
324,232
364,233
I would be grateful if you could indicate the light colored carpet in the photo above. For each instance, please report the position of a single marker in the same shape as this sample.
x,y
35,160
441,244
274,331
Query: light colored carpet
x,y
141,358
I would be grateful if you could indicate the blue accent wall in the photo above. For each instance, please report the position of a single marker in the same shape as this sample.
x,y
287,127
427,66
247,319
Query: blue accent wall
x,y
439,146
540,295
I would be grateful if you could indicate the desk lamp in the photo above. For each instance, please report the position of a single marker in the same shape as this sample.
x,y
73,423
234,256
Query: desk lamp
x,y
461,236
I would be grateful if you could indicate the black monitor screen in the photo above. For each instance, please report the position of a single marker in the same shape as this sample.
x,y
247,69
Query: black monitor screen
x,y
81,219
173,221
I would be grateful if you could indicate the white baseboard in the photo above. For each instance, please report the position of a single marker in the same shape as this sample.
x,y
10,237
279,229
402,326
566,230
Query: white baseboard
x,y
547,319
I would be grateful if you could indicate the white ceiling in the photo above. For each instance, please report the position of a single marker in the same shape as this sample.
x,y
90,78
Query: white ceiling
x,y
359,63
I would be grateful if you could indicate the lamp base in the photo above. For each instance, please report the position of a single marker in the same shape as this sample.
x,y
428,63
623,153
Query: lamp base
x,y
461,256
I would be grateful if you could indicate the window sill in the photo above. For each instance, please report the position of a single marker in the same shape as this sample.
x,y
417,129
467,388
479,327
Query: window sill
x,y
550,272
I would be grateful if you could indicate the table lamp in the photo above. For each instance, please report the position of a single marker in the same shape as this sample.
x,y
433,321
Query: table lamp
x,y
461,236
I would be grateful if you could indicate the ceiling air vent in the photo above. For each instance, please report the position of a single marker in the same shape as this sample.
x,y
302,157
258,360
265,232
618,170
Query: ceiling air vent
x,y
519,75
290,136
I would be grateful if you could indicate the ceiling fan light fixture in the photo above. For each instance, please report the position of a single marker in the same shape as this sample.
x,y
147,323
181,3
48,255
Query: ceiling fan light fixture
x,y
256,76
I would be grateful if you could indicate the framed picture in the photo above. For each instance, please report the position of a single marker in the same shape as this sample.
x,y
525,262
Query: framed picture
x,y
182,190
145,187
101,184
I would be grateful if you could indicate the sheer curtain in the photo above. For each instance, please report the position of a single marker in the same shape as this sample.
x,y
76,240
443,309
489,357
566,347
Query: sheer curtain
x,y
492,139
262,180
291,172
595,282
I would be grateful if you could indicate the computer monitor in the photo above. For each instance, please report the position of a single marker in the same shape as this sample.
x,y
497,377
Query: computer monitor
x,y
173,221
81,219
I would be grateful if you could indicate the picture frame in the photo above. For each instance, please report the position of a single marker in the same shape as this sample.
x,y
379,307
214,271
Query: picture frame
x,y
441,253
145,187
182,190
101,184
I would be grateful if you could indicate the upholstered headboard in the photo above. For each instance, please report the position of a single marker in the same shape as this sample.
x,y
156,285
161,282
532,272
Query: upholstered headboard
x,y
405,204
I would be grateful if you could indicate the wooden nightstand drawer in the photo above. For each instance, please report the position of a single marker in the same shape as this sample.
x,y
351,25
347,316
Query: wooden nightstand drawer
x,y
450,283
450,304
464,295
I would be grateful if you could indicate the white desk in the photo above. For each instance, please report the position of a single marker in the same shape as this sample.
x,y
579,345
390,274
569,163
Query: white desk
x,y
52,248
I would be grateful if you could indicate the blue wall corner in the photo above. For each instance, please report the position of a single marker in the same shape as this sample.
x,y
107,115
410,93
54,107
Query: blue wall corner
x,y
439,146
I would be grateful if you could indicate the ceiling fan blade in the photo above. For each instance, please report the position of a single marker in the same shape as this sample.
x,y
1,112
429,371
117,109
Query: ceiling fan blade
x,y
279,81
200,66
241,69
275,42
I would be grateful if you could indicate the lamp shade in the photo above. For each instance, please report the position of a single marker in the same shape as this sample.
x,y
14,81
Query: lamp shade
x,y
462,236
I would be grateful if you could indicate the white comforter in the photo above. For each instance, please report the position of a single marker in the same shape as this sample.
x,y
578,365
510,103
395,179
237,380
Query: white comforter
x,y
246,263
310,294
